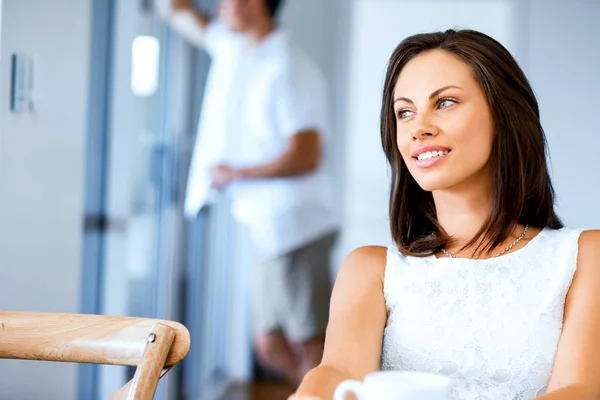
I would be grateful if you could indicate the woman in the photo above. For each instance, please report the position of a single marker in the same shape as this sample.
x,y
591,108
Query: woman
x,y
483,284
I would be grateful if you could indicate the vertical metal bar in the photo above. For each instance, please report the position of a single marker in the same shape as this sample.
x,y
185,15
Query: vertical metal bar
x,y
99,98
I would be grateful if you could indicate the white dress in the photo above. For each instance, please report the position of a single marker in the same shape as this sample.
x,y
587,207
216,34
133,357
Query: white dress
x,y
491,325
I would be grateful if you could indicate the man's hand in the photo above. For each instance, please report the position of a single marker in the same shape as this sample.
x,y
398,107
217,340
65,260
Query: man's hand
x,y
222,175
185,18
182,4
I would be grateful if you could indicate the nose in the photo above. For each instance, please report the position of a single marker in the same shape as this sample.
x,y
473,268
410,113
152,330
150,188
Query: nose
x,y
424,128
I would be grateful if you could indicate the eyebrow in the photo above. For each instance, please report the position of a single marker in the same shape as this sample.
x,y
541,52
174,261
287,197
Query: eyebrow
x,y
431,96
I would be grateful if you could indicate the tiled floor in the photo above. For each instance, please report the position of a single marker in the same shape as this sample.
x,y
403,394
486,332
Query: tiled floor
x,y
259,391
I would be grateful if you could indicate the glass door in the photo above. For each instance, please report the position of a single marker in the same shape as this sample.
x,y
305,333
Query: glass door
x,y
132,262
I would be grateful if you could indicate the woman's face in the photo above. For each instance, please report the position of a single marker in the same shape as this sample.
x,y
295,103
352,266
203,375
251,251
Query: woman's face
x,y
444,125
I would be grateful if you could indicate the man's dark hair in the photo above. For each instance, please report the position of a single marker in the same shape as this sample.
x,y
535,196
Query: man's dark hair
x,y
273,7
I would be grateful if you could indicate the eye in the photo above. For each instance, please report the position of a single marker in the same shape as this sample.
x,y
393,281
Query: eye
x,y
403,114
446,102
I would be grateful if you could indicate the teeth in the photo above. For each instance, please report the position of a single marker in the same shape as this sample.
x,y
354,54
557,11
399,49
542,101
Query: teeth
x,y
431,154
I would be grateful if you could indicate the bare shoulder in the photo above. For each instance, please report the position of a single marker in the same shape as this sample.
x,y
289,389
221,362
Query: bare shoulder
x,y
586,281
368,254
588,259
589,239
367,260
362,269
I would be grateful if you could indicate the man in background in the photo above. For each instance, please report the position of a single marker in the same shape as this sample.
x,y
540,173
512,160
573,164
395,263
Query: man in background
x,y
260,139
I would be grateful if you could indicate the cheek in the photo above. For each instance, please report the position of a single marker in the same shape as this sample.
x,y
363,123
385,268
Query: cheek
x,y
403,142
473,142
482,144
472,132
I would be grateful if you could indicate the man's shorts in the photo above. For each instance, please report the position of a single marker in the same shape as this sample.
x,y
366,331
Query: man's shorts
x,y
292,292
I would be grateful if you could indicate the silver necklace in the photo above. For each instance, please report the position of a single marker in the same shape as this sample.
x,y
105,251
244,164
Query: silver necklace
x,y
447,253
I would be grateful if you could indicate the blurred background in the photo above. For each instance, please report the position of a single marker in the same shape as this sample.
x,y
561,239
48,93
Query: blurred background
x,y
94,158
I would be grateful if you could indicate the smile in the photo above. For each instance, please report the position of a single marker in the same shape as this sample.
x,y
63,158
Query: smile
x,y
432,154
428,156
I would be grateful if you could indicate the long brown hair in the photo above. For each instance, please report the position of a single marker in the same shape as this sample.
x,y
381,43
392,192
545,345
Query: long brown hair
x,y
522,189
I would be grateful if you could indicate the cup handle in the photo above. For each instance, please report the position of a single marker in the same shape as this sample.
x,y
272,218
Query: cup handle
x,y
348,386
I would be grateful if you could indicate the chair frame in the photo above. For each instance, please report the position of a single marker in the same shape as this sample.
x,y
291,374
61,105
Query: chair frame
x,y
153,346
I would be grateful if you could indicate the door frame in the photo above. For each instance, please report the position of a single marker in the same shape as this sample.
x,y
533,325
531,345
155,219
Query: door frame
x,y
97,144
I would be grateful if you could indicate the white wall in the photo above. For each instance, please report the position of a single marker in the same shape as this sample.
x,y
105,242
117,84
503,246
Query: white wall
x,y
41,180
563,64
0,26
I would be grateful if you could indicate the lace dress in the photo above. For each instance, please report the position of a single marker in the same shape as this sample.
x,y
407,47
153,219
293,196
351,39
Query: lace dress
x,y
491,325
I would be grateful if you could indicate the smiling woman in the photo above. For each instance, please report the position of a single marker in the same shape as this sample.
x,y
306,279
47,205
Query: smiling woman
x,y
483,283
469,109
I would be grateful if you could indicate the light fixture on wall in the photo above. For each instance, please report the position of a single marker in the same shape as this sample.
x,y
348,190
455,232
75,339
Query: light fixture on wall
x,y
145,64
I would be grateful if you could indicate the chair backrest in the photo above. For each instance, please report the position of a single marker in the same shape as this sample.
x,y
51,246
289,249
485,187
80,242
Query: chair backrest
x,y
150,344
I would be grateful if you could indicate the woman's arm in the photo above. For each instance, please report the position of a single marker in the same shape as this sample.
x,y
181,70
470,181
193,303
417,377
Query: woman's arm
x,y
576,373
571,393
356,324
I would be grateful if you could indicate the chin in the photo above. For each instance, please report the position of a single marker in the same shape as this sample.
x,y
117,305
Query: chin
x,y
431,184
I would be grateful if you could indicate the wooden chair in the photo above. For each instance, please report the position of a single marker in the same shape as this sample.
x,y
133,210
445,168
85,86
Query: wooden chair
x,y
154,346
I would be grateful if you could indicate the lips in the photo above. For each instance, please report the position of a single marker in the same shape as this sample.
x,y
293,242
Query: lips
x,y
430,155
430,149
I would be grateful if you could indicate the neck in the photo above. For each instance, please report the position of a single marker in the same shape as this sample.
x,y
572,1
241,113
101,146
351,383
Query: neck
x,y
257,33
462,210
461,215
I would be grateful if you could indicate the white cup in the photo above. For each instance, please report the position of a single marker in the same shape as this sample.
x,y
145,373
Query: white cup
x,y
397,385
